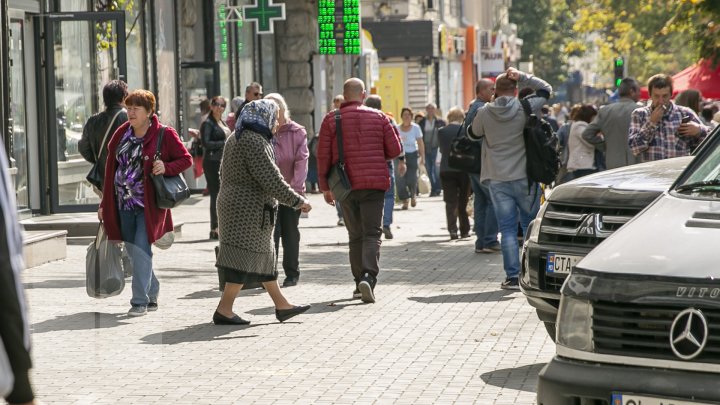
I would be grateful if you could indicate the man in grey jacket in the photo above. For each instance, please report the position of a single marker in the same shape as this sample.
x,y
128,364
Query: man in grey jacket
x,y
610,127
501,124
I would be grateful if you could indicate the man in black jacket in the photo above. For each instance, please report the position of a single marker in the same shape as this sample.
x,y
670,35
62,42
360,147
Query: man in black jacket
x,y
14,331
97,126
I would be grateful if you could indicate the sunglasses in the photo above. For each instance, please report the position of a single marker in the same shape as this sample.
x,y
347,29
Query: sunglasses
x,y
258,94
219,105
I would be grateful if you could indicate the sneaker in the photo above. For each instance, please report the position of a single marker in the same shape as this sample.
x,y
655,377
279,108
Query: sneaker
x,y
357,294
367,287
137,310
341,222
510,284
152,306
387,232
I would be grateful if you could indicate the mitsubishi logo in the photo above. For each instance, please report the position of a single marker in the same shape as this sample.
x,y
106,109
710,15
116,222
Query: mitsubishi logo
x,y
591,225
689,334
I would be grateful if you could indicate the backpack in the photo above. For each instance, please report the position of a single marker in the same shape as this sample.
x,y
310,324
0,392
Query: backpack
x,y
464,152
543,161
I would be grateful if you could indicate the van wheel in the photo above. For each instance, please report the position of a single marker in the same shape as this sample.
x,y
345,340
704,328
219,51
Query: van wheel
x,y
550,328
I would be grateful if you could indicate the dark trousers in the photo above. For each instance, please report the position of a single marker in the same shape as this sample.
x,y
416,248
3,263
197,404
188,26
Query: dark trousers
x,y
286,228
212,175
363,211
456,193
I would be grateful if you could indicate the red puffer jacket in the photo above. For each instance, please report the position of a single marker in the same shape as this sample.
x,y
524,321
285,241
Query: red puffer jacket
x,y
369,141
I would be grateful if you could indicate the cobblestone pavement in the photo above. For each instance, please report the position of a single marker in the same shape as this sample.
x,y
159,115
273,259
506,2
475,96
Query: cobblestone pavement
x,y
441,332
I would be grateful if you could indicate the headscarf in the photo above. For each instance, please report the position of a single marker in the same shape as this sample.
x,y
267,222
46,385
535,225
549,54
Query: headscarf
x,y
257,116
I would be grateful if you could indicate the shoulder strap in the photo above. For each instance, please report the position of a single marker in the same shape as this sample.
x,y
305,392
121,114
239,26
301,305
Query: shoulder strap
x,y
107,131
338,133
526,106
159,143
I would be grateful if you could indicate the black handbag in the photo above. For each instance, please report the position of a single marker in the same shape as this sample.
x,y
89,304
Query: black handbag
x,y
170,191
97,171
338,179
464,154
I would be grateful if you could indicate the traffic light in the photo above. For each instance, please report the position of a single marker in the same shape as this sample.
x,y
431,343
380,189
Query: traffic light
x,y
619,70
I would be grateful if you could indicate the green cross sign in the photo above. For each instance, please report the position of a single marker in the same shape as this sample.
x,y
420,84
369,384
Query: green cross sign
x,y
263,13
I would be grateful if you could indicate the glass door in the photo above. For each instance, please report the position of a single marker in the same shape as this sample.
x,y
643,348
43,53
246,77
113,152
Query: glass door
x,y
18,149
83,52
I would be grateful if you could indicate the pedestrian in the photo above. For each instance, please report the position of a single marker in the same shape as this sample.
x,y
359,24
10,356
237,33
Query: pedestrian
x,y
375,101
455,183
581,153
369,141
610,127
484,222
500,124
707,113
235,104
690,98
337,102
93,145
414,149
213,133
563,134
291,157
250,188
14,330
253,91
430,125
128,209
312,177
419,116
664,129
549,118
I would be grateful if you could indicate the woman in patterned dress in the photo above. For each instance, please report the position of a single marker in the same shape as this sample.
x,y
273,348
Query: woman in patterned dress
x,y
251,186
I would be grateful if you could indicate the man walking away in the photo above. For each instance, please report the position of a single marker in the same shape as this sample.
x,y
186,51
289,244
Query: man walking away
x,y
430,125
485,224
664,129
369,141
610,127
500,124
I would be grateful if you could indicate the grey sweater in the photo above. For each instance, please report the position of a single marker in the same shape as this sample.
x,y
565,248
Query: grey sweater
x,y
499,125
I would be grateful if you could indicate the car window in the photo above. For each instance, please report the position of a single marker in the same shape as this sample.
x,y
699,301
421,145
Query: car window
x,y
704,177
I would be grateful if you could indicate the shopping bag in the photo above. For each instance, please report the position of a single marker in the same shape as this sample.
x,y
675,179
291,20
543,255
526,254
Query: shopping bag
x,y
103,267
423,181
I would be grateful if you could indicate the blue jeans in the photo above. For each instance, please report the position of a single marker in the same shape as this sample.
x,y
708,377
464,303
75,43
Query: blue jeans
x,y
511,198
485,226
389,198
434,176
145,286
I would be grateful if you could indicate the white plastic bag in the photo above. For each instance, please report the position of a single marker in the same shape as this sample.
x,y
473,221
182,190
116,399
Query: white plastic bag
x,y
423,181
103,267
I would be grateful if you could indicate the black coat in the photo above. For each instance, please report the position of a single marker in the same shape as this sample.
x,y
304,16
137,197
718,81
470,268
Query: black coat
x,y
94,131
212,137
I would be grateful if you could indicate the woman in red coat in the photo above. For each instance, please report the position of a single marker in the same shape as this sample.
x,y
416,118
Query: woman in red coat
x,y
128,208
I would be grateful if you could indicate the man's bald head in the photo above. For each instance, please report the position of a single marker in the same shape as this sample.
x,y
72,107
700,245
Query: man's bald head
x,y
354,90
484,89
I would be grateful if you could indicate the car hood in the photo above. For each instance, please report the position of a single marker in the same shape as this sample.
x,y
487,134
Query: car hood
x,y
676,236
635,185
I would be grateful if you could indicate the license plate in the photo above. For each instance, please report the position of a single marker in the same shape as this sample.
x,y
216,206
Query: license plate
x,y
632,399
561,263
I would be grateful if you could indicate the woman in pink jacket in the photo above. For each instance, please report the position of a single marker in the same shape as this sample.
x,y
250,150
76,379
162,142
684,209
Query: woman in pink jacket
x,y
291,156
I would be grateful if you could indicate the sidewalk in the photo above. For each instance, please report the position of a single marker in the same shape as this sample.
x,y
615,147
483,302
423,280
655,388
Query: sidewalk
x,y
441,331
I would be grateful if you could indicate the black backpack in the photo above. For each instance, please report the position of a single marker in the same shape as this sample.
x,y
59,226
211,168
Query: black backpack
x,y
543,160
464,152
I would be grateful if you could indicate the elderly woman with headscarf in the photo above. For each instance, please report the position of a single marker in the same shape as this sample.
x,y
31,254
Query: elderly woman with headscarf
x,y
251,186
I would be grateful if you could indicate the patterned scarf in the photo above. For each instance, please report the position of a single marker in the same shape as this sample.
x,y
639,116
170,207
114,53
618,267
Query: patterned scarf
x,y
257,116
129,185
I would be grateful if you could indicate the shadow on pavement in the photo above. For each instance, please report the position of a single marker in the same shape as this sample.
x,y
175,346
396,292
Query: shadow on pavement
x,y
316,307
204,332
487,296
198,295
80,321
56,284
519,378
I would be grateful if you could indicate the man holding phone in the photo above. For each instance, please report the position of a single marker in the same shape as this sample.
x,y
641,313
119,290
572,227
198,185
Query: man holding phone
x,y
663,129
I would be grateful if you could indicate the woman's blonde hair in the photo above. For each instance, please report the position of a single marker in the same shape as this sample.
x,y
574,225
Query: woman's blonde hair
x,y
455,114
280,100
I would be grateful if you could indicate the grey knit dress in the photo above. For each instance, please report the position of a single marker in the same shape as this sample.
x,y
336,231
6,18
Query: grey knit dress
x,y
251,186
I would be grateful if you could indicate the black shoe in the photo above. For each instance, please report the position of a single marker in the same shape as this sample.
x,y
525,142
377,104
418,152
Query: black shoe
x,y
453,236
220,319
510,284
152,306
464,235
367,289
283,315
214,235
387,232
290,282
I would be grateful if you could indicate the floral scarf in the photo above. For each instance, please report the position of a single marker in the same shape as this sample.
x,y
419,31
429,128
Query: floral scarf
x,y
257,116
129,186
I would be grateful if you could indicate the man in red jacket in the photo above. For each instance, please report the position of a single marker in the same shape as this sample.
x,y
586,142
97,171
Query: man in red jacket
x,y
369,141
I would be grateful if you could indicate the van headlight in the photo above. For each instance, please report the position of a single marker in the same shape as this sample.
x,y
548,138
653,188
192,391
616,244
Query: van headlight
x,y
535,223
574,324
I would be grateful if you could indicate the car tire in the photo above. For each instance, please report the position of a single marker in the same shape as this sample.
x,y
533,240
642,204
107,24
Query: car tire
x,y
550,328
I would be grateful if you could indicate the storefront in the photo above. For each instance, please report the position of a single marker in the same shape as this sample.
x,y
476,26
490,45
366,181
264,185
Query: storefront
x,y
450,68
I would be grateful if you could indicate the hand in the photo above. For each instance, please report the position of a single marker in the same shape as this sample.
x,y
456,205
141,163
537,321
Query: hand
x,y
691,129
194,132
100,212
402,168
158,168
306,207
657,113
513,74
421,161
329,197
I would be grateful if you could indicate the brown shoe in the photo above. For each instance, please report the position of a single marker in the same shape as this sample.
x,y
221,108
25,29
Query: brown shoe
x,y
413,202
405,204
